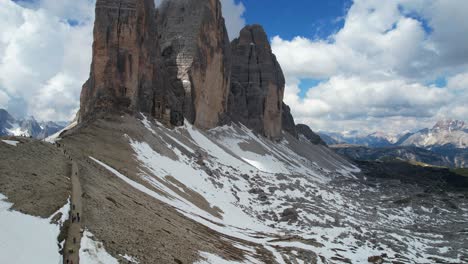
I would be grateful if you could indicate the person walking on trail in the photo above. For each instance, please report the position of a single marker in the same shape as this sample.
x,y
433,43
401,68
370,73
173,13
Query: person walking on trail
x,y
78,217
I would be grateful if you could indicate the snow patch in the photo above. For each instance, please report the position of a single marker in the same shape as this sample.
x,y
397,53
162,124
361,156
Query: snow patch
x,y
28,239
93,252
11,142
56,137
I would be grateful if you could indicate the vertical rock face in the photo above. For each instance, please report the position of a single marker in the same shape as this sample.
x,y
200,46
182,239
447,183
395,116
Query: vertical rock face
x,y
257,83
196,57
288,121
124,66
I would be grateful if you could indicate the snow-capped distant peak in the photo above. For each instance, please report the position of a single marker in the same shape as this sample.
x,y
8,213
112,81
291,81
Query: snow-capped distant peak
x,y
447,133
449,125
27,127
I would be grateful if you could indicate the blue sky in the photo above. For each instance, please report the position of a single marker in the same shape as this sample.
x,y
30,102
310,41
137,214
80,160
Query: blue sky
x,y
368,65
306,18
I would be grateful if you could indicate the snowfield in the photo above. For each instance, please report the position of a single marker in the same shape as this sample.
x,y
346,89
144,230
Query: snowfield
x,y
27,239
303,205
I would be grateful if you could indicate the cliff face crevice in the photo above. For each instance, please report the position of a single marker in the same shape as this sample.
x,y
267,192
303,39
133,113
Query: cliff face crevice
x,y
257,84
196,55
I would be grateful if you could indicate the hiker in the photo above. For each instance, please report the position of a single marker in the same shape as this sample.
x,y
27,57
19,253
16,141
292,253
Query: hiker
x,y
78,217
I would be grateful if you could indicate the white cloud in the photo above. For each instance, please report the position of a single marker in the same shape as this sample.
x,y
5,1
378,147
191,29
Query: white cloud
x,y
40,48
378,67
234,16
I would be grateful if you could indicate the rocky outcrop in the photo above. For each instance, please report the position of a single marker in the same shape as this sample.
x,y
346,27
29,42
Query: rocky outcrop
x,y
257,84
288,121
124,70
309,134
196,56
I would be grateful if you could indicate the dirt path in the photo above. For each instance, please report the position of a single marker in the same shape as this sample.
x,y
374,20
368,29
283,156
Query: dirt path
x,y
72,243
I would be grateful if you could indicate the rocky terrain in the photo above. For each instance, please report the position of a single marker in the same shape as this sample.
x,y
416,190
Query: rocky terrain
x,y
29,127
184,152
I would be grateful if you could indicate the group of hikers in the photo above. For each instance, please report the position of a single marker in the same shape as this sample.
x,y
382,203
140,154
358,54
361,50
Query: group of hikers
x,y
74,218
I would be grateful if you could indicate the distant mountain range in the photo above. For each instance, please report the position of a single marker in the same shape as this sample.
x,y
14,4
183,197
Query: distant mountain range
x,y
445,133
445,144
376,139
29,127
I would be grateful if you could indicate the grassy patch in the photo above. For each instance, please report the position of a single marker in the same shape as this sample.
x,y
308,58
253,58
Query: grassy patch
x,y
461,171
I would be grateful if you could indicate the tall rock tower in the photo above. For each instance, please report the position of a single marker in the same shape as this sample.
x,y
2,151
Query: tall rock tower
x,y
196,57
257,83
124,70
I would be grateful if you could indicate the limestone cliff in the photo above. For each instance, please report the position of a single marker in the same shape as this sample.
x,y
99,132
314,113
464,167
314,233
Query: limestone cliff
x,y
124,65
257,84
288,121
196,57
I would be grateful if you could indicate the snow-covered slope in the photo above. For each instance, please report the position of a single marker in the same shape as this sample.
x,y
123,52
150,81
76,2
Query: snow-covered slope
x,y
290,199
450,133
27,239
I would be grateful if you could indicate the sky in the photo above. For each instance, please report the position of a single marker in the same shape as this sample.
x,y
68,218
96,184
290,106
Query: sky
x,y
367,65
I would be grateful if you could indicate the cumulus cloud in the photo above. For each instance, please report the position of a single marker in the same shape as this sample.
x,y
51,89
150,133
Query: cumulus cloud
x,y
38,47
379,68
234,16
45,53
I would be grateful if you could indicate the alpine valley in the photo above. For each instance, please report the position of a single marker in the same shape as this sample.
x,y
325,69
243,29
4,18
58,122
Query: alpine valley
x,y
183,151
445,144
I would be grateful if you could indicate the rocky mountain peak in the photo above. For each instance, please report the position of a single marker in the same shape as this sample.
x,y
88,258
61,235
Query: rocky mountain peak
x,y
176,63
257,83
124,63
172,63
196,57
27,127
449,125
